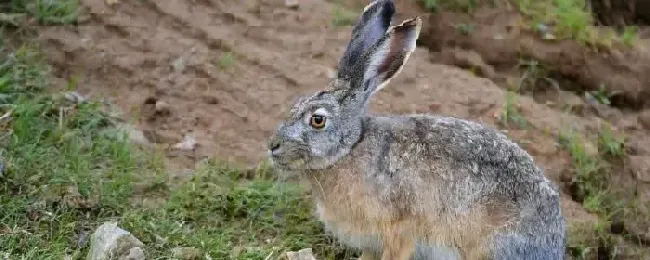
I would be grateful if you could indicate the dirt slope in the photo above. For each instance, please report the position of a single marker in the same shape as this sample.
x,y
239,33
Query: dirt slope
x,y
226,72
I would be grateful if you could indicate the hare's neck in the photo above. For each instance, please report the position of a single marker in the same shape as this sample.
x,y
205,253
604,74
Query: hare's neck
x,y
335,180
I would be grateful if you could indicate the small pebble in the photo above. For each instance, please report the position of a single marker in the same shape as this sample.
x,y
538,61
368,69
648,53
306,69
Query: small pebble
x,y
293,4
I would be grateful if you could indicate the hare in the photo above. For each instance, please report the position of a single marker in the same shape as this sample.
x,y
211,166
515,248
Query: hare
x,y
419,186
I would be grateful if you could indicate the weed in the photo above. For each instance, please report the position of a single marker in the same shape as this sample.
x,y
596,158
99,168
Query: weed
x,y
465,29
47,12
510,113
601,95
53,154
232,219
343,16
533,74
432,5
455,5
586,240
226,60
590,182
567,18
630,35
610,143
66,170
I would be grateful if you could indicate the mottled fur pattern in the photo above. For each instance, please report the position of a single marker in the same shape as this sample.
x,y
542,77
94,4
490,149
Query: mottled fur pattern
x,y
418,186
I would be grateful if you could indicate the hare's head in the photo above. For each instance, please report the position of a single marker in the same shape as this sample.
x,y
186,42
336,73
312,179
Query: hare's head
x,y
323,127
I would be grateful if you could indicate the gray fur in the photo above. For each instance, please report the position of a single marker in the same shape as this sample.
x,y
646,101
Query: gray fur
x,y
447,175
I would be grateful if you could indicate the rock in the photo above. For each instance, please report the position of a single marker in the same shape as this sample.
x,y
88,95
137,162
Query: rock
x,y
472,60
83,238
73,199
330,73
644,119
293,4
135,253
637,144
591,149
179,65
6,117
162,108
640,167
109,242
136,136
186,253
15,19
148,109
302,254
636,224
160,136
188,144
570,101
74,97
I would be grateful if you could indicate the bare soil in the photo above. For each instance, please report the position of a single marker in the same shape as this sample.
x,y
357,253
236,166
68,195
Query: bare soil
x,y
225,72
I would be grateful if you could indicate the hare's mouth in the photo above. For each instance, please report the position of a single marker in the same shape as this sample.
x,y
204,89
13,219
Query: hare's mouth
x,y
287,161
288,164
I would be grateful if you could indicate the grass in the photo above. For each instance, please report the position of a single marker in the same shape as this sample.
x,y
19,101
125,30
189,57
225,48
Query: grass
x,y
343,16
590,187
602,95
567,18
630,35
232,219
589,179
226,60
588,239
455,5
610,143
53,154
67,170
510,114
465,29
561,19
533,76
46,12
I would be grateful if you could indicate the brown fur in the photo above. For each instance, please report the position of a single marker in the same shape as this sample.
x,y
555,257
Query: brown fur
x,y
350,208
419,186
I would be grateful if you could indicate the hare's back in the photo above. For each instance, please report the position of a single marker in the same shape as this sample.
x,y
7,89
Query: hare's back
x,y
460,176
450,149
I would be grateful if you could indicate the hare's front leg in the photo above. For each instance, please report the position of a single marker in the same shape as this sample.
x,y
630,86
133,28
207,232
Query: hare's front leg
x,y
369,255
398,248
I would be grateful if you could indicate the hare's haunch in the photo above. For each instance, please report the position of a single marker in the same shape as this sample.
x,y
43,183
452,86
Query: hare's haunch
x,y
413,187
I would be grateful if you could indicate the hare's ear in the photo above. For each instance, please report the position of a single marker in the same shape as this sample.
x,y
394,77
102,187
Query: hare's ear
x,y
371,26
385,60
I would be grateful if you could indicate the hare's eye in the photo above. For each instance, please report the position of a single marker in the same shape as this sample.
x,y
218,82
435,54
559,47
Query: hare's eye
x,y
317,121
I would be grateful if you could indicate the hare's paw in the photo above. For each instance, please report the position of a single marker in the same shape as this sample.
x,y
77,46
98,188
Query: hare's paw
x,y
369,255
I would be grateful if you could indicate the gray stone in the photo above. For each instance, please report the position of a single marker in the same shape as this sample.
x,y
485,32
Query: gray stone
x,y
186,253
135,253
640,167
293,4
74,97
109,242
135,135
644,119
302,254
188,143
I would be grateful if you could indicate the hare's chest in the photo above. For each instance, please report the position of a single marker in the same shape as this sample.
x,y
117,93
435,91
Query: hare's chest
x,y
354,232
353,215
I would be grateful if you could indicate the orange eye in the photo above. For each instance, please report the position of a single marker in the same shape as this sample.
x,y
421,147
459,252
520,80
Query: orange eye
x,y
317,121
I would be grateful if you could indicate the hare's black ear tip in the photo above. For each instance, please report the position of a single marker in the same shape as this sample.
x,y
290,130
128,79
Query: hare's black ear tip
x,y
386,5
